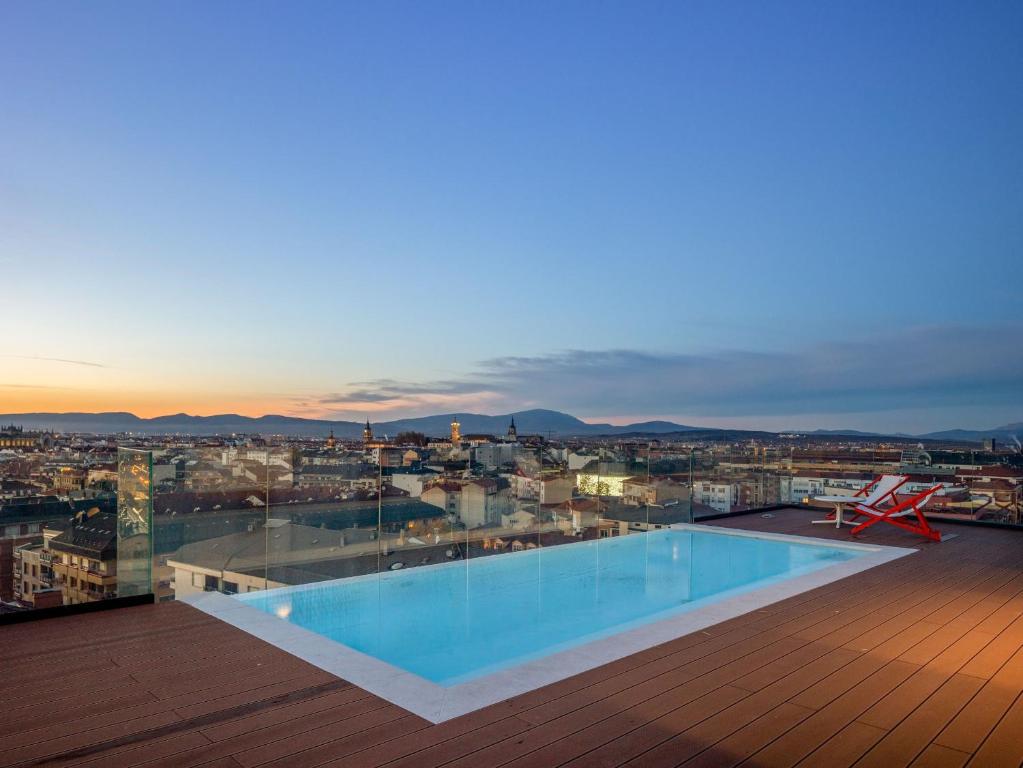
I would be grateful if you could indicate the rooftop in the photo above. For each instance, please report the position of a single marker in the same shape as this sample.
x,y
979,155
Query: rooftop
x,y
919,661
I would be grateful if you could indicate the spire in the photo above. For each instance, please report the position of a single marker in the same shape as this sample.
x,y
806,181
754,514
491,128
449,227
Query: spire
x,y
367,433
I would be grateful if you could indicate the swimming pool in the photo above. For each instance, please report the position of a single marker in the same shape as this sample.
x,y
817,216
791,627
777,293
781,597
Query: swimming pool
x,y
452,622
441,639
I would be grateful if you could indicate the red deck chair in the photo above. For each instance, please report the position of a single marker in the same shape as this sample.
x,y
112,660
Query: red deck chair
x,y
895,515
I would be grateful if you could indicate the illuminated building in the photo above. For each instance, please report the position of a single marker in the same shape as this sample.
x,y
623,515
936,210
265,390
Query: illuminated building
x,y
16,437
456,432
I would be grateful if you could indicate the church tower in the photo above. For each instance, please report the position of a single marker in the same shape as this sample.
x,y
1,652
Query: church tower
x,y
456,432
367,433
513,434
331,442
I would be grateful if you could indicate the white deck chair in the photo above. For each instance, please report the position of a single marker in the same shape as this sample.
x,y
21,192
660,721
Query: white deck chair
x,y
870,496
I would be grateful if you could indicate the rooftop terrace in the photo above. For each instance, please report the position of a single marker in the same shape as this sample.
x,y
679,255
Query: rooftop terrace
x,y
916,662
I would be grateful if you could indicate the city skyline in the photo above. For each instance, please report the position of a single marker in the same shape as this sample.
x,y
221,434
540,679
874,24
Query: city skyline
x,y
775,218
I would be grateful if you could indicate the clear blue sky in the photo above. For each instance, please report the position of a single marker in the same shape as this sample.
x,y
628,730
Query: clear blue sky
x,y
715,210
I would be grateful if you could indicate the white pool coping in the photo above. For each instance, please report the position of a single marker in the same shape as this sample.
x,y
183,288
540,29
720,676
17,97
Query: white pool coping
x,y
438,703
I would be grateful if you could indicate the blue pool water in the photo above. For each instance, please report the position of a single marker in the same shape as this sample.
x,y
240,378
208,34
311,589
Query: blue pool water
x,y
450,623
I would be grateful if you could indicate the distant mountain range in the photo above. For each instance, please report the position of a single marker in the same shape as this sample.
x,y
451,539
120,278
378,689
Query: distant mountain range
x,y
538,421
527,422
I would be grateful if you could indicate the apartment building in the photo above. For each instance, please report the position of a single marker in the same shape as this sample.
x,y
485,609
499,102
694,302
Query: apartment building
x,y
721,497
639,491
33,576
474,502
84,557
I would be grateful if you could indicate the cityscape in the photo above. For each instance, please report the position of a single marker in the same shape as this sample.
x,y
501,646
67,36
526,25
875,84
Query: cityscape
x,y
528,385
433,497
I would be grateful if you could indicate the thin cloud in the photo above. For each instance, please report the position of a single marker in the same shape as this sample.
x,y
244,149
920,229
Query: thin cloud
x,y
87,363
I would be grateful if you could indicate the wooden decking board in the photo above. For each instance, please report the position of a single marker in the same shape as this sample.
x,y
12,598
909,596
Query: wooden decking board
x,y
936,756
888,711
719,725
918,662
1004,616
830,719
135,754
647,682
43,720
655,731
300,709
156,741
1003,746
623,735
912,735
737,746
987,663
845,747
329,727
353,716
254,690
337,751
36,752
593,726
400,743
380,728
972,725
158,737
452,749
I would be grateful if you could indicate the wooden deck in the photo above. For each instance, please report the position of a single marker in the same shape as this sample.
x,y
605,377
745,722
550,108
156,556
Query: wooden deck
x,y
918,662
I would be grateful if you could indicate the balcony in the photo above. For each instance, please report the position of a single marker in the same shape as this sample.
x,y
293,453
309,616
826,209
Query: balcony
x,y
919,659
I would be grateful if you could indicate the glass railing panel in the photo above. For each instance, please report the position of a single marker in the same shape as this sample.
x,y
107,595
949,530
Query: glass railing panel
x,y
134,565
209,515
326,518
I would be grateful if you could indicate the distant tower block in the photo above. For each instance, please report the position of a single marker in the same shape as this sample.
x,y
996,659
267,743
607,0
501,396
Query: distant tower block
x,y
456,432
367,433
513,434
331,442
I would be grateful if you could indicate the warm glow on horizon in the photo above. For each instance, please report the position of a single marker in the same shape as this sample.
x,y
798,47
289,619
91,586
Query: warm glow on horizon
x,y
164,402
145,405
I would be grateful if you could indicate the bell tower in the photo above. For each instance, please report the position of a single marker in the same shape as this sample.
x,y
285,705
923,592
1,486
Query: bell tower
x,y
367,433
456,432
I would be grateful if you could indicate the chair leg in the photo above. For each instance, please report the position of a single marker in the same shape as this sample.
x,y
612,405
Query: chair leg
x,y
921,527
